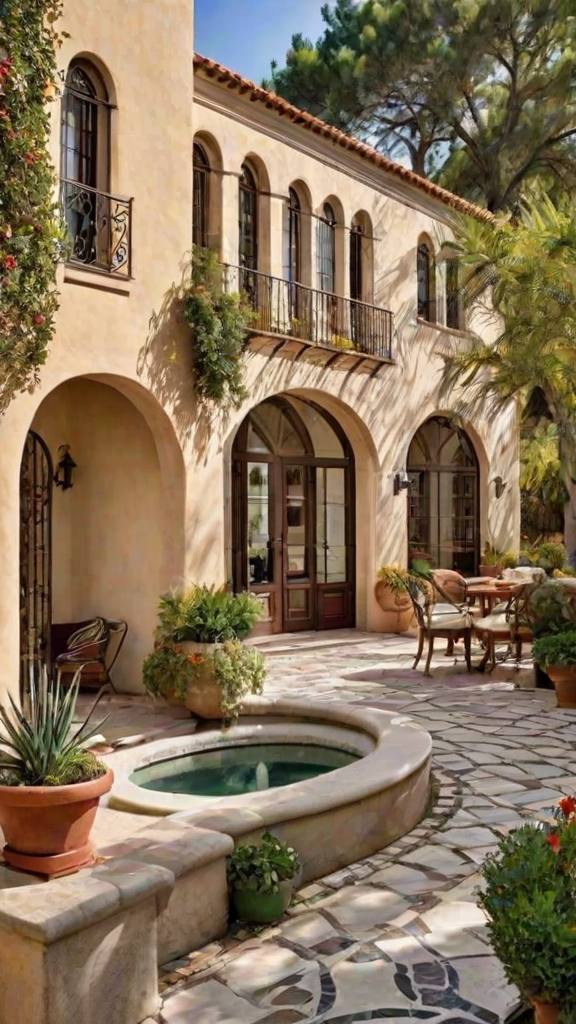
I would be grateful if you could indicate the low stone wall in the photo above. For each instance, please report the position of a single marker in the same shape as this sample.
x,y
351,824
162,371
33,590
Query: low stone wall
x,y
85,949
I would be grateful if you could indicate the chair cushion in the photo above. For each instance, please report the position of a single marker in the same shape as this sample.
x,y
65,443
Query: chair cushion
x,y
495,623
453,621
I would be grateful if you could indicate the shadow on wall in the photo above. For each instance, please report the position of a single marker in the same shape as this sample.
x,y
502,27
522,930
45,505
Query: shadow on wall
x,y
165,364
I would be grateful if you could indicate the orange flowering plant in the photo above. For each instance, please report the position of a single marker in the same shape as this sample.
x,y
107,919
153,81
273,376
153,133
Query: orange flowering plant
x,y
529,896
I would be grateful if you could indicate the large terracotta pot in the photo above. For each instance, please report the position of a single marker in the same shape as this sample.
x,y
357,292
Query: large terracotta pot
x,y
396,608
564,679
546,1013
204,696
47,828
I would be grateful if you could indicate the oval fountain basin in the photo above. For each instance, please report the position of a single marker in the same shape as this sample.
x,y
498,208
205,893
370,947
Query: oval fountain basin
x,y
246,769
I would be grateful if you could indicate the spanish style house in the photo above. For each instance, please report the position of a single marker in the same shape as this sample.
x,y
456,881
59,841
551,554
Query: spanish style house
x,y
345,455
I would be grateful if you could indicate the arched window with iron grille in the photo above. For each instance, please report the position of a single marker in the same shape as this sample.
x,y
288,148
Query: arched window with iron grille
x,y
327,249
201,197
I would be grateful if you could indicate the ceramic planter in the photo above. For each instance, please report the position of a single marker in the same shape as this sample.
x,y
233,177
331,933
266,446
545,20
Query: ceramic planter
x,y
564,679
492,571
47,828
546,1013
397,611
262,908
204,696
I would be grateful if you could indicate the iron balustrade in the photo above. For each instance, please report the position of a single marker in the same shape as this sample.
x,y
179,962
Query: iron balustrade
x,y
99,228
318,317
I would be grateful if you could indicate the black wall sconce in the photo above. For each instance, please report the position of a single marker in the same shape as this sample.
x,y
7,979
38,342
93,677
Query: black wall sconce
x,y
500,486
401,482
63,477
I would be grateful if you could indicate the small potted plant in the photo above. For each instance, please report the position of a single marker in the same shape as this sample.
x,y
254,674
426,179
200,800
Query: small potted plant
x,y
50,785
529,895
556,654
492,562
261,879
200,659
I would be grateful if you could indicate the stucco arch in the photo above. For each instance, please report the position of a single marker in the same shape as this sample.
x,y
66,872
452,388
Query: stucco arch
x,y
118,533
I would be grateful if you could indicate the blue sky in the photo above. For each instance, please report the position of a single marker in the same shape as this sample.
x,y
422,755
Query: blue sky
x,y
246,35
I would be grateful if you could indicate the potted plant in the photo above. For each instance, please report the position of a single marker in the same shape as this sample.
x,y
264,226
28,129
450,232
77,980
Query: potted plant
x,y
261,879
50,785
556,653
551,557
199,658
491,564
529,895
393,594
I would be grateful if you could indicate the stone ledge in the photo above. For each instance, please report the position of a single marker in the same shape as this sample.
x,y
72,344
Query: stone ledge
x,y
173,845
65,906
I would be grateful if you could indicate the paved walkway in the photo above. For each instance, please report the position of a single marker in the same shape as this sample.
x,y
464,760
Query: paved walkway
x,y
397,936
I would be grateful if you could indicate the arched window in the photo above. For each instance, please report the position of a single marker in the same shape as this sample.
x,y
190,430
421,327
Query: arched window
x,y
248,219
201,197
327,249
356,259
85,127
454,317
293,239
443,503
425,279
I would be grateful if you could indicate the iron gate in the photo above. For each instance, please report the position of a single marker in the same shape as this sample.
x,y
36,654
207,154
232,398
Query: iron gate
x,y
36,475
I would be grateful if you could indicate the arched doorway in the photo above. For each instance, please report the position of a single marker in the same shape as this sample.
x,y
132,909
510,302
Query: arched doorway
x,y
443,505
293,516
36,473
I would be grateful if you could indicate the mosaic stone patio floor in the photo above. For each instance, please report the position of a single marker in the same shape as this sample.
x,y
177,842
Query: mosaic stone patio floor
x,y
398,936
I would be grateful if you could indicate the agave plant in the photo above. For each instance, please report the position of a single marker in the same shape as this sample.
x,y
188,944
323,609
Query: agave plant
x,y
40,748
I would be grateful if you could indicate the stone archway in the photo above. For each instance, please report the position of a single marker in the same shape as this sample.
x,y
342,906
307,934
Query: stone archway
x,y
118,533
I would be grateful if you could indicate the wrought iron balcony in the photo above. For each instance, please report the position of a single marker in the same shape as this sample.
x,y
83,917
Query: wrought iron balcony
x,y
313,316
99,227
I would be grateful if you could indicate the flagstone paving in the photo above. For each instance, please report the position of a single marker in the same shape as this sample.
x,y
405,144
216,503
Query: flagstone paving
x,y
398,936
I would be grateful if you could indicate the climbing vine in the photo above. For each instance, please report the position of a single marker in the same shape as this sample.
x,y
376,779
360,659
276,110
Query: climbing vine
x,y
219,324
30,233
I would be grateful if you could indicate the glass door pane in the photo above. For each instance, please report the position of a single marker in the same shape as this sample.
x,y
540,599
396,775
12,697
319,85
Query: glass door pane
x,y
330,525
296,528
260,561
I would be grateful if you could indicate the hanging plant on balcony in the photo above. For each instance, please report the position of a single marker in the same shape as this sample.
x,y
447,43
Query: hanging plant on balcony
x,y
219,324
30,234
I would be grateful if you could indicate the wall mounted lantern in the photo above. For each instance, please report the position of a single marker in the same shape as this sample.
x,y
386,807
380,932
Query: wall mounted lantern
x,y
500,486
63,477
401,482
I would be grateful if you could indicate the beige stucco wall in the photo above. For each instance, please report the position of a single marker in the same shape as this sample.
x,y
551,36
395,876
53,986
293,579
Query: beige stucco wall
x,y
150,503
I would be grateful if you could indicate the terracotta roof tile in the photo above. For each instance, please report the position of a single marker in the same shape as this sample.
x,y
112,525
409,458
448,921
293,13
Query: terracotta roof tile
x,y
233,80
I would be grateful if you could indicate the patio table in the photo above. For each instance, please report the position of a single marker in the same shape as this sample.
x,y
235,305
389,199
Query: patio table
x,y
489,594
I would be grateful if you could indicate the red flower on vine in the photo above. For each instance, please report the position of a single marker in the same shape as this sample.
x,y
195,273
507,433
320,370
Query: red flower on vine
x,y
39,319
568,805
554,841
5,68
10,262
30,158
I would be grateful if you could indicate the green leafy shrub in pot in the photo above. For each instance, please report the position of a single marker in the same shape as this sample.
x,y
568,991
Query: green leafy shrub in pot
x,y
167,673
261,879
238,670
555,649
529,895
509,560
50,785
550,609
206,615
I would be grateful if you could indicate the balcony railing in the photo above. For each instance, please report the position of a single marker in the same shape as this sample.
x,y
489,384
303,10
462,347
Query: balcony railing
x,y
320,318
99,227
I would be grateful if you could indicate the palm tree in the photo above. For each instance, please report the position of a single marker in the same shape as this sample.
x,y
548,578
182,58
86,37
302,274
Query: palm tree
x,y
525,272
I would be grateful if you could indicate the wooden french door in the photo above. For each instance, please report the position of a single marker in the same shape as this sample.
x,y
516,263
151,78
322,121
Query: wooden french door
x,y
293,538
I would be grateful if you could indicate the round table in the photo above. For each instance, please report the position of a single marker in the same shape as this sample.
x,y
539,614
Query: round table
x,y
489,594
